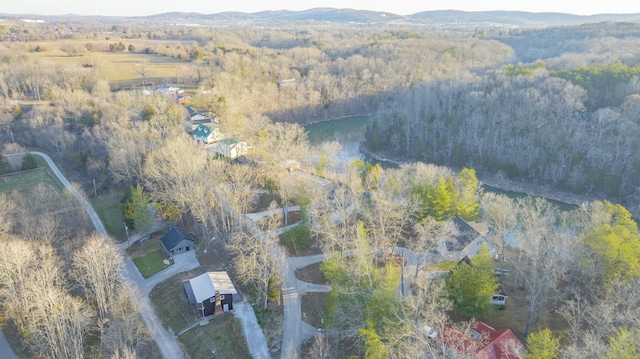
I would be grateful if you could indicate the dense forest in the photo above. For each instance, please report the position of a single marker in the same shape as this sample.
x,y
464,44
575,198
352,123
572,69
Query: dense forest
x,y
557,106
569,120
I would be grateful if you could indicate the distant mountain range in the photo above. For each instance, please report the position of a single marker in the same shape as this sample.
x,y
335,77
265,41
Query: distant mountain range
x,y
332,15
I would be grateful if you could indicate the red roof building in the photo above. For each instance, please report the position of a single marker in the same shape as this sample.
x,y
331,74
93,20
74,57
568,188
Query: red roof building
x,y
484,342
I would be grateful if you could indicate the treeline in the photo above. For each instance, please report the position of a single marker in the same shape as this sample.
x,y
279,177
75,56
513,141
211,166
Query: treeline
x,y
296,75
528,126
62,292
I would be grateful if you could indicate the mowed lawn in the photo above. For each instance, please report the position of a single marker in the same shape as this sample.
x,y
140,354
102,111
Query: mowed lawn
x,y
224,333
111,213
24,180
149,257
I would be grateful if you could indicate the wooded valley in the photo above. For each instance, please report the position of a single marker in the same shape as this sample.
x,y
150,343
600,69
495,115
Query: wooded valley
x,y
556,106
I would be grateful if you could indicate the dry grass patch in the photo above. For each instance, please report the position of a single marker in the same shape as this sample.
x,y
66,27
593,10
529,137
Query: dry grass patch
x,y
313,306
311,274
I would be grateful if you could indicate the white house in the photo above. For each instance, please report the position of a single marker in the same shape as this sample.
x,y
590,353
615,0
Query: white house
x,y
230,148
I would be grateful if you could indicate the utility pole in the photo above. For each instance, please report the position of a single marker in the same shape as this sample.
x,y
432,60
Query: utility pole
x,y
126,230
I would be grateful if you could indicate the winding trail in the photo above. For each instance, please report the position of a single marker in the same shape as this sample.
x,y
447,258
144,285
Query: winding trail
x,y
165,342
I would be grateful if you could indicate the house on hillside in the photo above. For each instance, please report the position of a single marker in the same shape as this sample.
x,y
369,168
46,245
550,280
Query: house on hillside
x,y
207,134
167,90
212,292
177,240
197,117
231,148
183,99
484,342
467,242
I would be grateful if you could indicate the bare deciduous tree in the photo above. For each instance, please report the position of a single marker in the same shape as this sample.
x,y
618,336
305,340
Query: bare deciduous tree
x,y
7,208
97,269
542,250
256,262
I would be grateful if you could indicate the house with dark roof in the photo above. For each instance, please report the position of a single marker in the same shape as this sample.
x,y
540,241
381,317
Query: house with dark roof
x,y
467,242
212,292
197,117
484,342
177,240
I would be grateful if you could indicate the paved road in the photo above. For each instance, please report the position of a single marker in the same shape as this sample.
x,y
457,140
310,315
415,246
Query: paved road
x,y
256,216
252,331
6,351
181,263
166,343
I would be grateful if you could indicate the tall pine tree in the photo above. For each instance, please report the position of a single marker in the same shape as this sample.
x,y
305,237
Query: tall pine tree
x,y
471,287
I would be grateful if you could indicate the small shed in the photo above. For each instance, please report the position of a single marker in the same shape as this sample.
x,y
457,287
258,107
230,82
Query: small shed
x,y
177,240
211,292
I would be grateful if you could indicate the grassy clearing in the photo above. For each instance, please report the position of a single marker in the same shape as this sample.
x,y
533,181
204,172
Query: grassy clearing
x,y
149,257
111,214
313,305
225,333
121,69
171,303
441,266
173,308
311,274
24,180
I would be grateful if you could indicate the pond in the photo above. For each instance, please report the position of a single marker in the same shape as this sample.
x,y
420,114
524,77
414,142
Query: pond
x,y
350,132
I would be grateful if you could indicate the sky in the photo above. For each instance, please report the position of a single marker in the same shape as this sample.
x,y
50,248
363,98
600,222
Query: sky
x,y
400,7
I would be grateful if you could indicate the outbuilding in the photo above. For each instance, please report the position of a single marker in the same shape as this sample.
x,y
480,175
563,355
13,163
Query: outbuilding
x,y
177,240
211,292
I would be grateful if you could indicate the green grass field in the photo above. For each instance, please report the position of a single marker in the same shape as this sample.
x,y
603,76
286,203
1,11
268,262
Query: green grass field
x,y
149,257
121,69
111,214
24,180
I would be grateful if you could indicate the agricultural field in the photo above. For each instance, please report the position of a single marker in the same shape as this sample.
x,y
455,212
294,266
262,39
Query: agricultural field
x,y
122,69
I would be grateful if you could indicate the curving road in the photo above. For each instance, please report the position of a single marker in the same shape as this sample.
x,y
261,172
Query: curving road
x,y
6,351
165,342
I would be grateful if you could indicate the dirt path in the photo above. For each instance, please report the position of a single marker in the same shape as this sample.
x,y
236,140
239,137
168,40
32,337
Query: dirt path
x,y
166,343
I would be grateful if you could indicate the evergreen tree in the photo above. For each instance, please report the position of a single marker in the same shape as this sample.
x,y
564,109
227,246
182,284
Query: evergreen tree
x,y
471,287
148,112
543,345
467,204
614,244
624,344
29,162
374,348
440,199
136,209
5,166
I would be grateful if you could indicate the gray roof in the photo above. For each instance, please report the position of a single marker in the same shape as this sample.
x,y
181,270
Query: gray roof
x,y
174,236
466,235
205,286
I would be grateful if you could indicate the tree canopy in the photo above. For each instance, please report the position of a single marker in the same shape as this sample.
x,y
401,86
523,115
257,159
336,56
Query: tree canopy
x,y
614,245
471,287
